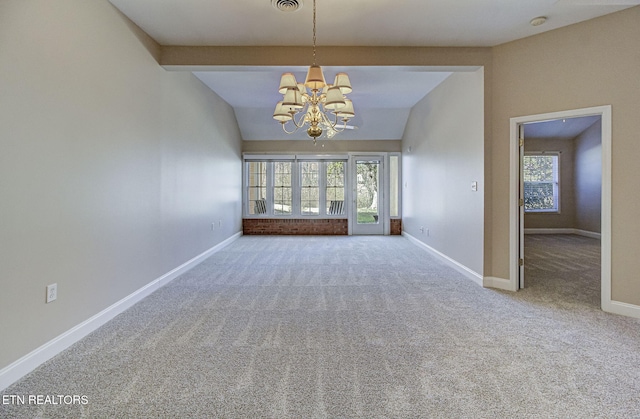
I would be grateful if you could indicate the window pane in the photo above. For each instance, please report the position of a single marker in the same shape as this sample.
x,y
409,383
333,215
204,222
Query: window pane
x,y
394,180
335,188
539,196
257,187
367,192
540,175
539,168
310,188
282,188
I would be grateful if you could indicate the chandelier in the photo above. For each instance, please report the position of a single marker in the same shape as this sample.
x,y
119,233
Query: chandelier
x,y
314,103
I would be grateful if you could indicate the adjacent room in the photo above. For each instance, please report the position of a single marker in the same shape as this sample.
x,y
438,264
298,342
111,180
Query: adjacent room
x,y
288,209
562,177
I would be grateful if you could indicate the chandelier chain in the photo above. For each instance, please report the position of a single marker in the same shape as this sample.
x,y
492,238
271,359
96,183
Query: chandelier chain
x,y
314,32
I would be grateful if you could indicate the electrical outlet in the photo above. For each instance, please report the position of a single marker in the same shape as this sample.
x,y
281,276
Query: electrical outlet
x,y
213,226
422,229
52,292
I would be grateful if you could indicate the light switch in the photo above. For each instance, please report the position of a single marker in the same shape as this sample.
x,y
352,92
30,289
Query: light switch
x,y
474,186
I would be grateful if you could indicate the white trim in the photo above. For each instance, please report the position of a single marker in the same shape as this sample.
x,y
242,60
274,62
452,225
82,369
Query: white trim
x,y
293,156
549,231
322,157
499,283
470,274
397,154
383,225
623,309
18,369
268,157
585,233
514,235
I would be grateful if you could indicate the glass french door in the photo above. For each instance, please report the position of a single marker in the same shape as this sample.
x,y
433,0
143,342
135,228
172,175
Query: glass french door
x,y
368,214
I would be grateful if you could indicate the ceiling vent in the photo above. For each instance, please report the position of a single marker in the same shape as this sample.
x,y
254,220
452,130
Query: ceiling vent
x,y
287,5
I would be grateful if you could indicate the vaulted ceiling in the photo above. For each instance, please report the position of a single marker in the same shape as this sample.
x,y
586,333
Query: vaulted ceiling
x,y
382,96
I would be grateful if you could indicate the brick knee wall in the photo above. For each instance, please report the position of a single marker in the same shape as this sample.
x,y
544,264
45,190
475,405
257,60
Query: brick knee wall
x,y
280,226
319,227
396,227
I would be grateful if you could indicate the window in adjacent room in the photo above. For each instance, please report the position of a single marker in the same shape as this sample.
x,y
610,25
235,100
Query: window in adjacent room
x,y
541,182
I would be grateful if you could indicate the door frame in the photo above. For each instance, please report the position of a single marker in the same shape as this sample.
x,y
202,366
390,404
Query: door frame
x,y
383,202
514,194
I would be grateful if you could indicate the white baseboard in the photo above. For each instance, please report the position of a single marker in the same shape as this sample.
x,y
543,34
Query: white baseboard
x,y
18,369
586,233
472,275
499,283
623,309
577,231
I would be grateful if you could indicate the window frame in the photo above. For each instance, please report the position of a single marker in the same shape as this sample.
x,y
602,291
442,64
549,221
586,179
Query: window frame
x,y
271,174
556,182
398,184
296,185
318,186
345,190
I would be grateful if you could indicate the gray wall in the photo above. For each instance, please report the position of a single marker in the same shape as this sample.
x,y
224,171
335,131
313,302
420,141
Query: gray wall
x,y
112,169
580,181
445,135
588,178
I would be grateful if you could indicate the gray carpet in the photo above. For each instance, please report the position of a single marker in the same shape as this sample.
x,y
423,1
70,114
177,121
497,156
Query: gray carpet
x,y
372,327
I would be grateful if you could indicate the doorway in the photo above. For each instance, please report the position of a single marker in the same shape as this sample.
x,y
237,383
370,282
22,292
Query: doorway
x,y
517,279
560,174
368,213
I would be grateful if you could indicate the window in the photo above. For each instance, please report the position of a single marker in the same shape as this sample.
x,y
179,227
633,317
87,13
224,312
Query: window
x,y
257,187
310,188
394,185
334,190
284,186
541,191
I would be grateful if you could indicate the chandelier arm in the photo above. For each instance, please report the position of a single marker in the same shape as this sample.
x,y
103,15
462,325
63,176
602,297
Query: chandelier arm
x,y
300,122
334,124
284,128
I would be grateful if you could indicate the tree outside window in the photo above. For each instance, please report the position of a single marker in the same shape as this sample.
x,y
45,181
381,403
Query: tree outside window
x,y
310,188
541,192
282,197
257,187
335,188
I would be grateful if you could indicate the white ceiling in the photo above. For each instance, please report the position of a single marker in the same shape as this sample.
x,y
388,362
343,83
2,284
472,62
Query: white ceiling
x,y
562,129
252,91
382,100
357,22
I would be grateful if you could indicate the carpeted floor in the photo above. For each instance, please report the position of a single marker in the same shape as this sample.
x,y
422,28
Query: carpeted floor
x,y
371,327
564,269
